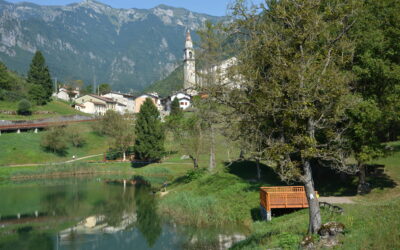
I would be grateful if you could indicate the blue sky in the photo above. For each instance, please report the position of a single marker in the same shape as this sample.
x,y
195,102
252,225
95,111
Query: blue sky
x,y
211,7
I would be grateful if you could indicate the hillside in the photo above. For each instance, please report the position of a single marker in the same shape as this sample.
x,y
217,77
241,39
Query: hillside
x,y
52,109
128,48
171,83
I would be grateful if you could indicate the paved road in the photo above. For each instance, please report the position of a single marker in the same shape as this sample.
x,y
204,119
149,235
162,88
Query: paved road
x,y
337,199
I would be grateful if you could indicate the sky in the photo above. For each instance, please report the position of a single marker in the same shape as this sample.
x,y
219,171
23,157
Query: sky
x,y
211,7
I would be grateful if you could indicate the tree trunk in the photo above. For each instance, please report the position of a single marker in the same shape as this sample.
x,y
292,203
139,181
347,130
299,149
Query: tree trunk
x,y
314,212
195,163
258,169
124,156
212,150
241,155
363,187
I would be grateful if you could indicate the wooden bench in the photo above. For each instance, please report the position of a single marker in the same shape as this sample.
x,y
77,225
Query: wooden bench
x,y
281,197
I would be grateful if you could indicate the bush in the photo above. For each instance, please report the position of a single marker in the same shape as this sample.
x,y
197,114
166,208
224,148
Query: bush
x,y
24,107
194,174
55,141
76,138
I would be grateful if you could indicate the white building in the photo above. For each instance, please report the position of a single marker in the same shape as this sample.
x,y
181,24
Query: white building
x,y
189,66
94,104
125,102
184,100
223,74
67,95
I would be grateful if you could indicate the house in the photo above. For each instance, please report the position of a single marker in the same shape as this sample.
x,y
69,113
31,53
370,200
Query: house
x,y
184,99
94,104
67,94
123,99
142,98
223,74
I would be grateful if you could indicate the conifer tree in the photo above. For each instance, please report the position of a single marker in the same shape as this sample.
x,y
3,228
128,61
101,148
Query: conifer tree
x,y
5,80
175,108
40,79
149,143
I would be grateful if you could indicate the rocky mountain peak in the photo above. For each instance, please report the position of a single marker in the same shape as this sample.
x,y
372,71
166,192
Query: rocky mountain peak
x,y
128,48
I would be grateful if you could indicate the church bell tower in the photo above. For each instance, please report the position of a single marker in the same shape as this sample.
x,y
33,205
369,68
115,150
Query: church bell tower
x,y
189,71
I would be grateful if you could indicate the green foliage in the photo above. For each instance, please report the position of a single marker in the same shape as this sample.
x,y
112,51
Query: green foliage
x,y
149,142
194,174
24,107
55,140
76,137
40,80
176,109
171,83
12,86
5,79
118,127
362,133
148,221
376,61
88,89
104,88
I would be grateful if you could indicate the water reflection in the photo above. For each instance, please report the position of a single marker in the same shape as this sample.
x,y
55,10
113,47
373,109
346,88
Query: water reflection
x,y
90,214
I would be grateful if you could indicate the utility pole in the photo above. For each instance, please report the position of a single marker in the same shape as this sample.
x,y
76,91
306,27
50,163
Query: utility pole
x,y
55,85
94,81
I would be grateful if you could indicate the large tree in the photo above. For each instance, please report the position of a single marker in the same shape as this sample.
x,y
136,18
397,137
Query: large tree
x,y
119,128
40,80
149,142
293,87
377,61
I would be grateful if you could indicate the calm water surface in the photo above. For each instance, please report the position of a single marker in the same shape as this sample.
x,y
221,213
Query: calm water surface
x,y
91,214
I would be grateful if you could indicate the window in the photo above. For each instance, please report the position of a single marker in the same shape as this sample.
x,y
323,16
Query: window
x,y
190,55
182,103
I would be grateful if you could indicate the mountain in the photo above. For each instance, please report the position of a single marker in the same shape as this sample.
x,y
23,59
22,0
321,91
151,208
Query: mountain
x,y
91,41
168,85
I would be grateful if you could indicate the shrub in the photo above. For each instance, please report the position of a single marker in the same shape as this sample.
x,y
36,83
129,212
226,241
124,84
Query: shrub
x,y
76,138
55,140
24,107
194,174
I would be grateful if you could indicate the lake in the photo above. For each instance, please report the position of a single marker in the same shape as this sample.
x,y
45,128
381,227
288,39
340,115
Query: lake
x,y
89,213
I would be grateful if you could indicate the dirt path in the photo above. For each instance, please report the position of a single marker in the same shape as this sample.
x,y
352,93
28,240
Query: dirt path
x,y
337,199
55,163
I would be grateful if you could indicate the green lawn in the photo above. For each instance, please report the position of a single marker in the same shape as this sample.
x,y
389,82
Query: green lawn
x,y
230,195
24,148
55,108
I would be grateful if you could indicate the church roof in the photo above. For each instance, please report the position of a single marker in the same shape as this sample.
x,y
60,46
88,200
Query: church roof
x,y
188,37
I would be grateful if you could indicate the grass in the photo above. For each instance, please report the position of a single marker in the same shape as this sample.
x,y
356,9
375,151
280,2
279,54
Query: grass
x,y
230,194
25,148
55,108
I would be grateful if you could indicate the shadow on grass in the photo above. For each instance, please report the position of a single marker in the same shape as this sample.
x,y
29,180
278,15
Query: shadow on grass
x,y
140,164
378,178
256,214
328,182
247,170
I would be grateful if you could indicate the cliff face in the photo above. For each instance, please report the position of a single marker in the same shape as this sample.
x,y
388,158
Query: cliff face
x,y
128,48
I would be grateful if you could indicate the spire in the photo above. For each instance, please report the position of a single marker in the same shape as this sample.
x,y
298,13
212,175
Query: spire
x,y
189,43
188,37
